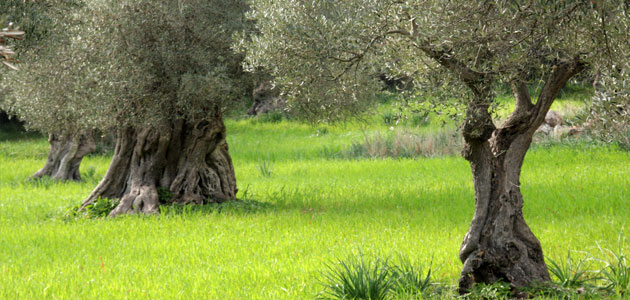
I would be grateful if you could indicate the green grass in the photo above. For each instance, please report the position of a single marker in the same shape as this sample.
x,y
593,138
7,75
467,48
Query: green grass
x,y
576,198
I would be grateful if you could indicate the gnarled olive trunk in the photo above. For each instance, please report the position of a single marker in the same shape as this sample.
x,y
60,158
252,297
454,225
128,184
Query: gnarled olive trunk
x,y
190,161
64,158
499,245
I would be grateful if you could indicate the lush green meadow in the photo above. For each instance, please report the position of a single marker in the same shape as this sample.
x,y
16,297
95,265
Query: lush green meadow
x,y
307,208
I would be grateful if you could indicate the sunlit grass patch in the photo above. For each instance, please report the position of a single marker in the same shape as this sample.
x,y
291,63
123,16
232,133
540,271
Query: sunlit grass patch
x,y
310,211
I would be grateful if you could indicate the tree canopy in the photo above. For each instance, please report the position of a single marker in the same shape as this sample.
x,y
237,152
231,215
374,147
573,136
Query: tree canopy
x,y
322,52
49,91
109,64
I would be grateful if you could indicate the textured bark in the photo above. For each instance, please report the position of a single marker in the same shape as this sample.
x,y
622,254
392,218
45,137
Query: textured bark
x,y
499,245
64,158
189,160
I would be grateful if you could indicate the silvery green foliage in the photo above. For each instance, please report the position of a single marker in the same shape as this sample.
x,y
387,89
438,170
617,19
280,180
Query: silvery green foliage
x,y
108,64
312,47
176,56
321,52
47,91
33,17
610,112
609,117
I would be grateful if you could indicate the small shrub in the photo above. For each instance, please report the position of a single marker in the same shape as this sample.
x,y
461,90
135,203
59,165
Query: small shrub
x,y
357,278
242,206
101,207
551,291
356,150
328,152
322,131
44,182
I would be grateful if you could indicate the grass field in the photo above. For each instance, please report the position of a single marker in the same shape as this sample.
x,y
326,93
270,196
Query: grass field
x,y
307,210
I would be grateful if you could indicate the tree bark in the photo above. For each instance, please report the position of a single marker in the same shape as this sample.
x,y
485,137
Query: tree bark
x,y
499,245
190,160
64,158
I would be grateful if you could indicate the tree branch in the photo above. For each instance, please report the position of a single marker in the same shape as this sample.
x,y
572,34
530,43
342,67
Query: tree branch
x,y
560,75
445,58
7,52
478,124
519,119
527,117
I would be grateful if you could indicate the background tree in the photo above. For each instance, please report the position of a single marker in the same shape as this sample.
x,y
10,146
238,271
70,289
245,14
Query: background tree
x,y
320,53
47,90
170,74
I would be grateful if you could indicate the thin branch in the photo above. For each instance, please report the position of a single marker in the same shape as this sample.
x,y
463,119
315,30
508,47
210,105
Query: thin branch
x,y
560,75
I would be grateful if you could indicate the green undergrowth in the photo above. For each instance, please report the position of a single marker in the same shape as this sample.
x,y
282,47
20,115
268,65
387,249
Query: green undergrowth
x,y
301,210
602,275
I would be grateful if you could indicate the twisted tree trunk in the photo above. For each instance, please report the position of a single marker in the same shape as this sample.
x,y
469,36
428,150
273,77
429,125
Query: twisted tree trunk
x,y
499,245
64,158
189,160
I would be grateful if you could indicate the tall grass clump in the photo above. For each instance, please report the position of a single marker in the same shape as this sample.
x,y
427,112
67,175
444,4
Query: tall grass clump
x,y
616,270
361,277
409,281
572,273
358,277
405,144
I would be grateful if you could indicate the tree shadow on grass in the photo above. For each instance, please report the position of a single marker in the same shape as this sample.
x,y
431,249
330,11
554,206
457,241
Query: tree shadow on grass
x,y
103,206
239,206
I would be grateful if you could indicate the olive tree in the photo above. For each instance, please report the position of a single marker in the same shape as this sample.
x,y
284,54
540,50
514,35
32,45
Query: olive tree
x,y
320,53
48,89
170,74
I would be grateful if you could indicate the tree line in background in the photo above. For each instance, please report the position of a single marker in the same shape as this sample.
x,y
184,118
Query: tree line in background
x,y
161,75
